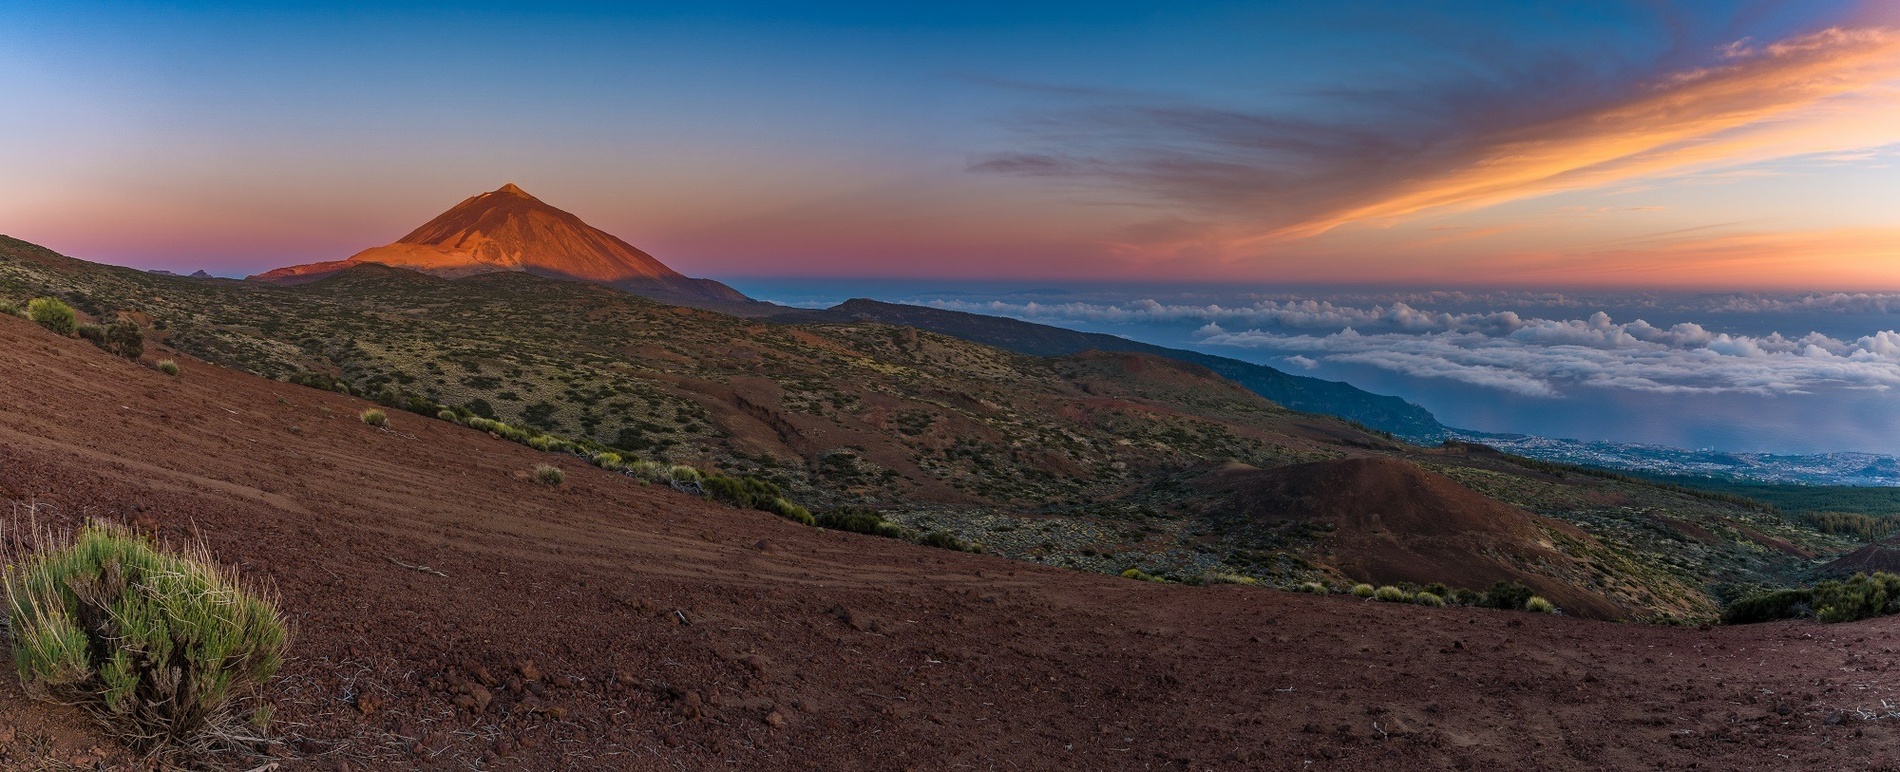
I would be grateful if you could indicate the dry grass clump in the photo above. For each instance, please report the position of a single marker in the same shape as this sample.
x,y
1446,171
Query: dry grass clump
x,y
1363,590
166,646
1539,605
53,314
549,474
167,367
374,417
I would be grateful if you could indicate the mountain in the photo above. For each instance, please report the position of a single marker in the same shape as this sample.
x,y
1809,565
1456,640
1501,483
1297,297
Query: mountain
x,y
508,230
1093,460
1311,395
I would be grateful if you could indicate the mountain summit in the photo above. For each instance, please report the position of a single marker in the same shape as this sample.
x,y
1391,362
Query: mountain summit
x,y
509,230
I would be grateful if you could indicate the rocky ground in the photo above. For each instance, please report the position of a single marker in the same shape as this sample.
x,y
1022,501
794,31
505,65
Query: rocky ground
x,y
451,614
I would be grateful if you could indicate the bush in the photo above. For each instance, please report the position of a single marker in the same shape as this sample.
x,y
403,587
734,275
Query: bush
x,y
1769,606
448,415
1429,599
1130,573
52,314
1363,590
1860,597
92,332
549,474
375,417
168,367
650,471
1509,596
125,339
163,645
607,460
748,492
1316,588
10,308
1390,594
784,508
1537,604
860,520
681,473
1222,577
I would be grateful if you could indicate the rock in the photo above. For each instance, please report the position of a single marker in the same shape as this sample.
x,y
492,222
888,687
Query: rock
x,y
690,705
762,545
481,696
367,703
529,671
775,719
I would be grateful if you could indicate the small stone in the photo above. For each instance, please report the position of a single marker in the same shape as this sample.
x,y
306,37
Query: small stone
x,y
367,704
529,671
775,719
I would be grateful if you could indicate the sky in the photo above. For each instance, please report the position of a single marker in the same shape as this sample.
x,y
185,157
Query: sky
x,y
1720,145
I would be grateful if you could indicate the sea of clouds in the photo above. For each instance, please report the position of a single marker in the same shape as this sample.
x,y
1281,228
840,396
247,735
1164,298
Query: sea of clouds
x,y
1526,355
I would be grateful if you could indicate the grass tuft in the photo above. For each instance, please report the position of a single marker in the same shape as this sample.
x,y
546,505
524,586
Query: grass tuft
x,y
1363,590
1391,594
549,474
163,645
1539,605
374,417
168,367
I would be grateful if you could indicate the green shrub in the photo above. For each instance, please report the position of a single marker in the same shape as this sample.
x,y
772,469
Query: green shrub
x,y
374,417
92,332
1363,590
942,540
748,492
125,339
11,308
860,520
163,645
447,415
681,473
1857,598
1390,594
784,508
481,424
1536,603
167,367
1429,599
607,460
1509,596
51,313
650,471
1769,606
1316,588
549,474
1130,573
1222,577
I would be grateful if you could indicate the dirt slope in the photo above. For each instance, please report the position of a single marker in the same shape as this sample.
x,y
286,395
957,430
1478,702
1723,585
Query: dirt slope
x,y
1396,522
606,625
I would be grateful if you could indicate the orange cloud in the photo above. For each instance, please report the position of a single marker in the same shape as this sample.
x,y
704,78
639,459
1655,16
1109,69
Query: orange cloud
x,y
1827,91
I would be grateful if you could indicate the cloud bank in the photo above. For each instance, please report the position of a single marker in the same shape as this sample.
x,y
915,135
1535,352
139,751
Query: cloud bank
x,y
1525,354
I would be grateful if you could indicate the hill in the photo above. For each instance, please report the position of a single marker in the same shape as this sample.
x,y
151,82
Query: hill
x,y
452,614
508,230
1312,395
1087,461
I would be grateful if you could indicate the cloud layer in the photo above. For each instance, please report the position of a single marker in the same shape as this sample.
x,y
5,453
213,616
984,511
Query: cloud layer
x,y
1530,355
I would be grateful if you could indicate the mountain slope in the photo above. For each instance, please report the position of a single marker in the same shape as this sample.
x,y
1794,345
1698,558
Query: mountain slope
x,y
509,230
453,614
1086,461
1311,395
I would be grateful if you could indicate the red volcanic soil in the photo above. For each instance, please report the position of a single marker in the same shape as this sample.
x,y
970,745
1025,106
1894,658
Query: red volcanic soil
x,y
1396,522
608,625
1884,556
